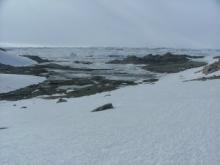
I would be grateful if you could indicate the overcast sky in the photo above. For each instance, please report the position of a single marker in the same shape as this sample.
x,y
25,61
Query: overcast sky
x,y
136,23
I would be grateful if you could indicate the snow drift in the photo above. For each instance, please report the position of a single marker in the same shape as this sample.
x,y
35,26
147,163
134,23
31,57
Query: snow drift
x,y
14,60
10,82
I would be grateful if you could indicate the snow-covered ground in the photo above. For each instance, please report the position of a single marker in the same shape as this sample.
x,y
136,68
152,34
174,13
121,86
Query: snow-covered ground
x,y
169,123
14,60
10,82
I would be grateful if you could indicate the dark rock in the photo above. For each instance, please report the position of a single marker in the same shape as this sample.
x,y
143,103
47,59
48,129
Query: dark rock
x,y
152,80
173,67
103,108
115,56
23,107
151,59
205,78
1,128
2,49
128,60
212,68
61,100
41,70
37,58
167,63
62,67
83,62
27,70
90,86
216,57
114,48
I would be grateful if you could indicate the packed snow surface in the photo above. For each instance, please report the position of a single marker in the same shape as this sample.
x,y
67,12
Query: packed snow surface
x,y
172,122
14,60
10,82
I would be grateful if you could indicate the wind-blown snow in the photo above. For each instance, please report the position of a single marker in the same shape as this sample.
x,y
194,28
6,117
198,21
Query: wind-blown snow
x,y
10,82
169,123
14,60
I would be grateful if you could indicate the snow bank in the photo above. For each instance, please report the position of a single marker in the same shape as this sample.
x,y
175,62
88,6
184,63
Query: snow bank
x,y
169,123
10,82
14,60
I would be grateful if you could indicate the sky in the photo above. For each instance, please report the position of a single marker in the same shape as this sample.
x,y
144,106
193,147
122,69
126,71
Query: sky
x,y
131,23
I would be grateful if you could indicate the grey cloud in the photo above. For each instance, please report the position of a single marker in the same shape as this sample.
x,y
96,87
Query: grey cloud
x,y
153,23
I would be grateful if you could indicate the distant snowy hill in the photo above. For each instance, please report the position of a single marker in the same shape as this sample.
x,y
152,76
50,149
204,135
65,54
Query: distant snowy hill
x,y
14,60
10,82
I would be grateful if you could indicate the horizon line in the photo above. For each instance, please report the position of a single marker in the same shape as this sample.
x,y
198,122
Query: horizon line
x,y
25,45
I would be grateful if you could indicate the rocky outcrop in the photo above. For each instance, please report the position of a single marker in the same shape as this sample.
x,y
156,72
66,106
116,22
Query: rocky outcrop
x,y
83,62
217,57
205,78
41,70
1,128
61,100
212,68
52,89
36,70
2,49
37,58
103,108
173,67
152,59
151,81
167,63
